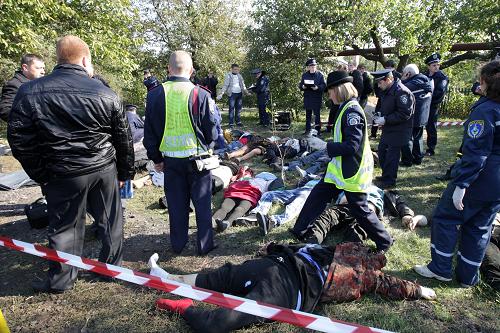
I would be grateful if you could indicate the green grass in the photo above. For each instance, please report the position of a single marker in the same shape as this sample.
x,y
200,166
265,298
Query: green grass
x,y
121,307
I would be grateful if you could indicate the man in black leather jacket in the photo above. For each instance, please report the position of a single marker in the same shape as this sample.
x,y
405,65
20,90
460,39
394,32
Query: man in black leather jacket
x,y
71,135
32,67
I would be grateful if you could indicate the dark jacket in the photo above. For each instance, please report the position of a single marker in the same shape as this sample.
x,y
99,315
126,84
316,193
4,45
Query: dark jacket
x,y
66,124
394,205
478,169
211,84
261,89
421,87
357,81
352,145
9,91
136,126
440,87
379,92
397,106
313,99
203,120
151,82
367,86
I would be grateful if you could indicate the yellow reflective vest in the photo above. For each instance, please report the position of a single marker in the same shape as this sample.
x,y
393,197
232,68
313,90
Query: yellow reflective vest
x,y
179,138
362,179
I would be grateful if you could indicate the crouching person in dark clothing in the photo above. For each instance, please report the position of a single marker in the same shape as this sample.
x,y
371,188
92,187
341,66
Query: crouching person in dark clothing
x,y
71,136
339,218
290,276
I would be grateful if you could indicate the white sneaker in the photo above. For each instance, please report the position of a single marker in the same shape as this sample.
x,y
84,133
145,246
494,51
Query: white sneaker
x,y
426,272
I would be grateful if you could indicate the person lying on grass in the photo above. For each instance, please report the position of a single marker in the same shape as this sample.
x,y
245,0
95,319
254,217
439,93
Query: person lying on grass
x,y
291,276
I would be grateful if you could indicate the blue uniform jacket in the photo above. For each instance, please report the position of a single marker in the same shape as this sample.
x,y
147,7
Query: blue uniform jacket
x,y
440,87
204,122
351,148
421,87
261,89
313,99
397,107
479,168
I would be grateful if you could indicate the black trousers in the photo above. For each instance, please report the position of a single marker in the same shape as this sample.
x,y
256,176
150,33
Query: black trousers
x,y
67,200
431,128
335,219
263,115
182,184
266,280
388,157
237,207
317,118
413,152
323,193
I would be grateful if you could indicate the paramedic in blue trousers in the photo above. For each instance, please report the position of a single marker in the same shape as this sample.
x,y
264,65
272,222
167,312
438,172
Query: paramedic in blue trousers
x,y
351,167
472,197
180,124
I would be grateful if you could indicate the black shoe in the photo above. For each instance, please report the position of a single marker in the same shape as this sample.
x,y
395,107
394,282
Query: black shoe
x,y
239,125
417,162
405,165
306,133
44,287
264,225
296,235
430,153
202,253
221,225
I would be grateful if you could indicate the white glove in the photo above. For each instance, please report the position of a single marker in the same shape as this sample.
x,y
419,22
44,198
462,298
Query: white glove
x,y
379,121
155,269
219,97
427,293
458,196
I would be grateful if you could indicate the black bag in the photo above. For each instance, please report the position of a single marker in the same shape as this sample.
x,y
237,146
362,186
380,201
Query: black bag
x,y
37,214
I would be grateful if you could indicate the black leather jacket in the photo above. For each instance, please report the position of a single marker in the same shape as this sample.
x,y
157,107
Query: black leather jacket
x,y
66,124
9,91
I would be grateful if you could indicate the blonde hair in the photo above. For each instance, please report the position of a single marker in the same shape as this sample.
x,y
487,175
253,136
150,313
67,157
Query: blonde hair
x,y
71,49
344,92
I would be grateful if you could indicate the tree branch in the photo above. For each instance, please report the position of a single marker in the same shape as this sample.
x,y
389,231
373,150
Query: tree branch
x,y
378,46
469,55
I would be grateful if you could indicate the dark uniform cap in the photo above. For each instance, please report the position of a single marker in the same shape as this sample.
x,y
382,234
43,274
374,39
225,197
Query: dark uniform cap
x,y
381,74
130,107
435,57
310,62
256,71
337,78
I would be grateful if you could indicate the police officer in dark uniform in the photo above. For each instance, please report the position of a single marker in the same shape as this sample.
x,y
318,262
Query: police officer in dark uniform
x,y
389,64
440,87
312,84
180,124
397,105
351,167
261,89
421,87
472,198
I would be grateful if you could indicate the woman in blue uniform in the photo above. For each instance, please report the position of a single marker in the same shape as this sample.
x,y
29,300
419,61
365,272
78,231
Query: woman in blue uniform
x,y
351,167
472,198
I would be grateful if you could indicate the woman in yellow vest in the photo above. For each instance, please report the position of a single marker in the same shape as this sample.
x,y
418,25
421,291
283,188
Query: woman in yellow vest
x,y
351,167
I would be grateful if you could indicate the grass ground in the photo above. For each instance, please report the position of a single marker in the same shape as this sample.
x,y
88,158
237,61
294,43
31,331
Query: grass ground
x,y
120,307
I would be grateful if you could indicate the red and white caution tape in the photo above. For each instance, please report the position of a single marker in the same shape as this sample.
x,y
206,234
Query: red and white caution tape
x,y
450,123
272,312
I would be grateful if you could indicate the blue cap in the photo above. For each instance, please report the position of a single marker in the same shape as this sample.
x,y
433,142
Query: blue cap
x,y
433,58
381,74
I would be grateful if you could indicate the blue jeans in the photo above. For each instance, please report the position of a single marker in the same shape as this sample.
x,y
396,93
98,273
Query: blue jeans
x,y
235,104
293,200
317,160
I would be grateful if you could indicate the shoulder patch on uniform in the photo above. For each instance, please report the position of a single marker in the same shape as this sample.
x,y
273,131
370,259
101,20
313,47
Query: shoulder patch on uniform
x,y
404,99
475,128
444,83
353,118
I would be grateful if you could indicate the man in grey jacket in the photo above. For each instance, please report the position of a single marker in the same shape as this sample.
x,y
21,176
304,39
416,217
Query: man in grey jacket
x,y
234,87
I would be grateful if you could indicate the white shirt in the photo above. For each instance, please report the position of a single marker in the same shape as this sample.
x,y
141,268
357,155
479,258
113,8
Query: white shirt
x,y
235,84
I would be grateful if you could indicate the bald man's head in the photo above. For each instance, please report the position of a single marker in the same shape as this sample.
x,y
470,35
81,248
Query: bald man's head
x,y
180,64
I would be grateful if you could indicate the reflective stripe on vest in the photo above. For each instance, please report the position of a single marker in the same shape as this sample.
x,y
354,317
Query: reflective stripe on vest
x,y
362,180
179,139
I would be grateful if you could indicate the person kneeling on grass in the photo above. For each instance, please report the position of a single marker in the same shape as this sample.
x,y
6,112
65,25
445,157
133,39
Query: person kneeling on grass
x,y
291,276
338,217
